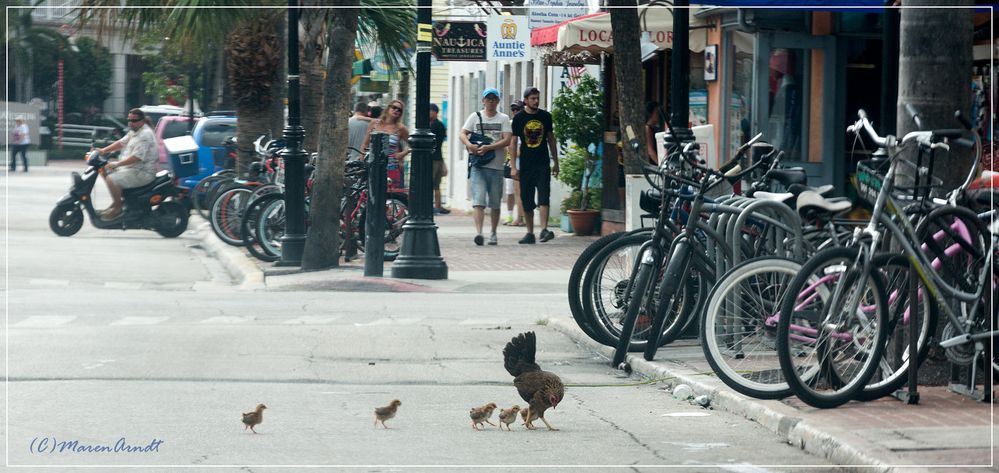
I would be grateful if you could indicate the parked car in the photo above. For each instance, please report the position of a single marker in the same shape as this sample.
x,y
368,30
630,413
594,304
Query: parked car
x,y
210,134
169,127
155,112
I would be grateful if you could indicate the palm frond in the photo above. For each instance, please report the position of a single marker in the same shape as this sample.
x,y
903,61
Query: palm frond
x,y
391,25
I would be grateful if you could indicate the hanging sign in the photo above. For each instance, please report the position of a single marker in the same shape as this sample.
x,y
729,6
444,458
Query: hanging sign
x,y
509,38
459,40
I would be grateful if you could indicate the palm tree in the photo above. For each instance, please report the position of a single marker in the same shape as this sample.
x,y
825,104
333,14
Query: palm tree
x,y
628,76
23,37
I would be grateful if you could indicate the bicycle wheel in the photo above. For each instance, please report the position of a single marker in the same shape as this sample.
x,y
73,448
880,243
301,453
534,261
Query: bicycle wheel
x,y
892,371
605,293
201,195
641,293
226,214
956,242
270,226
580,269
396,215
828,350
739,326
249,227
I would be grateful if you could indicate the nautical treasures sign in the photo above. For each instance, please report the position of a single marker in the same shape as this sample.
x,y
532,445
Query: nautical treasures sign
x,y
459,40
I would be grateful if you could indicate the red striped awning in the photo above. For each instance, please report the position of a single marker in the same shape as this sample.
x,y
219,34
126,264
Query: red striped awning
x,y
549,34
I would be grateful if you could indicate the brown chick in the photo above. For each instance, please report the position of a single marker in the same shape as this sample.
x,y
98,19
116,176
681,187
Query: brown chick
x,y
383,414
540,389
482,414
508,416
251,419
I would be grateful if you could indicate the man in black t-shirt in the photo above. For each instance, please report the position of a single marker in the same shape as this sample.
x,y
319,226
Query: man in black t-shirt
x,y
437,158
534,143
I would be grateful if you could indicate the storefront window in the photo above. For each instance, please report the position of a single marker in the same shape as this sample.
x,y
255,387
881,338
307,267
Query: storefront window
x,y
741,90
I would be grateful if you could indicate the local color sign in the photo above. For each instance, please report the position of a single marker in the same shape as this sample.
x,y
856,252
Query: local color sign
x,y
508,38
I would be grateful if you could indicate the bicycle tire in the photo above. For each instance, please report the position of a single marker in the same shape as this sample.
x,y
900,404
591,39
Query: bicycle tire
x,y
748,297
892,372
248,228
838,368
270,226
672,283
603,292
640,291
202,193
226,215
580,269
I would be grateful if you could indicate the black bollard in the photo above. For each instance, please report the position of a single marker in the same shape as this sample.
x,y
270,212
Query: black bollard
x,y
374,216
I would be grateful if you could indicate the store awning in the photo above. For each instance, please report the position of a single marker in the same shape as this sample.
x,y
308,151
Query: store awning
x,y
592,33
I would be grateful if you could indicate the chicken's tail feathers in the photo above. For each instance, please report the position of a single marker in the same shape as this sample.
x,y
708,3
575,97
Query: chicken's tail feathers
x,y
518,355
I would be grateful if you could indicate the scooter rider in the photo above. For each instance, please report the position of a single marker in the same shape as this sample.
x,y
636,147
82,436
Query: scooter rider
x,y
137,168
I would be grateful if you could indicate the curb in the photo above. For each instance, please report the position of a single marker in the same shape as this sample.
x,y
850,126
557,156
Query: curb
x,y
793,430
248,275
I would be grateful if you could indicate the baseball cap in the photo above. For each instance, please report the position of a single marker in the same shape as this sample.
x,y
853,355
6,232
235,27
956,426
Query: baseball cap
x,y
490,91
531,91
433,108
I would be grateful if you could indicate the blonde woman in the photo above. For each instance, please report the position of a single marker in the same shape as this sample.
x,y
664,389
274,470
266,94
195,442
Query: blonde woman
x,y
390,123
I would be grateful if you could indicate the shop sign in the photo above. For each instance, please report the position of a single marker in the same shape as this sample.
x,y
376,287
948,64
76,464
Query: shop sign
x,y
459,40
508,38
542,13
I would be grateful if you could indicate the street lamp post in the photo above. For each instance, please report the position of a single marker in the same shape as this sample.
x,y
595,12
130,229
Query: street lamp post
x,y
420,255
679,93
293,241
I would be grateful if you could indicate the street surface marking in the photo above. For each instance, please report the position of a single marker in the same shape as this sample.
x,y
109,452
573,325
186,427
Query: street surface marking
x,y
311,320
132,320
99,364
686,414
45,321
123,285
391,321
49,282
226,319
483,322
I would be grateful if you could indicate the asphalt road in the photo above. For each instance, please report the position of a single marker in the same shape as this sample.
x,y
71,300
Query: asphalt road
x,y
129,335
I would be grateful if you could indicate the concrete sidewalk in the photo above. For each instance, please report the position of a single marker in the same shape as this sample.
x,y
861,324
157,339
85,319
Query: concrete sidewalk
x,y
945,430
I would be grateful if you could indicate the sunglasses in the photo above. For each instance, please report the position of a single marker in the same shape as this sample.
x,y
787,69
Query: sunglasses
x,y
133,120
393,107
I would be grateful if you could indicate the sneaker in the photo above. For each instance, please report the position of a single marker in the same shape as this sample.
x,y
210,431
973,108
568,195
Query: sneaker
x,y
546,235
437,210
492,239
444,211
478,240
527,240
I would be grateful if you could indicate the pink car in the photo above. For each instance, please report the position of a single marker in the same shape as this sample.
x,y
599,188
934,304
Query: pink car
x,y
169,127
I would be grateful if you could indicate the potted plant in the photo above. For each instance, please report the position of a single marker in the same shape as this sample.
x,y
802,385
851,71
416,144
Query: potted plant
x,y
577,116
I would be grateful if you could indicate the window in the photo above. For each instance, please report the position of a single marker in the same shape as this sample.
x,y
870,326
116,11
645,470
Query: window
x,y
215,134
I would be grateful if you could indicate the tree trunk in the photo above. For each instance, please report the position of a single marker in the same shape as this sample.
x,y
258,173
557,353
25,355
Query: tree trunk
x,y
322,243
252,53
313,41
281,86
628,77
934,76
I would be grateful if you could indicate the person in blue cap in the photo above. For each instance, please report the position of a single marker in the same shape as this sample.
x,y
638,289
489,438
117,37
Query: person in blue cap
x,y
485,167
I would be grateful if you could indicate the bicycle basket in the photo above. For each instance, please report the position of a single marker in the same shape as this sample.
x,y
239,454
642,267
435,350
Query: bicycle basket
x,y
910,183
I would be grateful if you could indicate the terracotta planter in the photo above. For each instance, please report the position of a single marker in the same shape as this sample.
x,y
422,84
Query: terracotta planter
x,y
583,221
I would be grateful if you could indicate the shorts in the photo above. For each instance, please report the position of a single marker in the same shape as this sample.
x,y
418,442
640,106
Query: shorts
x,y
130,178
487,187
438,166
535,179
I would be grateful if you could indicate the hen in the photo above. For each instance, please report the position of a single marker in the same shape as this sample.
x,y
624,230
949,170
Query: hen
x,y
508,416
482,414
539,388
385,413
251,419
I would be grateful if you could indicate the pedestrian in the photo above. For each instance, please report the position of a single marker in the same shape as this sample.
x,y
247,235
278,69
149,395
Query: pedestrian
x,y
374,112
357,129
398,142
511,187
538,153
135,167
20,140
437,158
486,175
652,126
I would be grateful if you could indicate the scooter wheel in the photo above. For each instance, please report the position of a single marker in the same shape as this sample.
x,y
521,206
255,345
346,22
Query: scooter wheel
x,y
171,219
66,219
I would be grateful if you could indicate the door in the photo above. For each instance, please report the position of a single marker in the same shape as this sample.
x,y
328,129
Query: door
x,y
795,97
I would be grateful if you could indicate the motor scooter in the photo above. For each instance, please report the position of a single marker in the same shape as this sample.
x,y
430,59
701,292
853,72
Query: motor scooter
x,y
157,206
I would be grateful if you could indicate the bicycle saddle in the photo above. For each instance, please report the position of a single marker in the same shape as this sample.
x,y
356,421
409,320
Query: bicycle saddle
x,y
788,177
810,201
824,191
782,197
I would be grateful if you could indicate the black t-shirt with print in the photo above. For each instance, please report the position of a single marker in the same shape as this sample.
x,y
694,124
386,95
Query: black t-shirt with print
x,y
440,134
532,129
